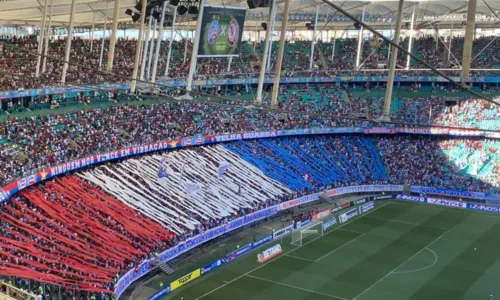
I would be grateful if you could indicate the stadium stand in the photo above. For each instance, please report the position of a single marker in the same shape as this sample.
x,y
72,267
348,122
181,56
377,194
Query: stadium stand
x,y
21,64
72,237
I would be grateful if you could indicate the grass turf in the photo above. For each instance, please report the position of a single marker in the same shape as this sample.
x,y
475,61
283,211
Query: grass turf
x,y
400,250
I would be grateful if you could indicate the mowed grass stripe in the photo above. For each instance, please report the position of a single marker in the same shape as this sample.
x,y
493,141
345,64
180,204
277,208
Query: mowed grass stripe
x,y
321,276
247,265
377,265
454,280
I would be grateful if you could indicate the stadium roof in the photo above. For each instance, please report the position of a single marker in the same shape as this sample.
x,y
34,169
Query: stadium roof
x,y
378,13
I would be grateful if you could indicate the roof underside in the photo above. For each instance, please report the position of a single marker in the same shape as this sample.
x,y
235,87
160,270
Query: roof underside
x,y
378,13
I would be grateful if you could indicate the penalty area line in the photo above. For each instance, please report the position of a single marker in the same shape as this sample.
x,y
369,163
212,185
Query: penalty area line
x,y
296,287
392,272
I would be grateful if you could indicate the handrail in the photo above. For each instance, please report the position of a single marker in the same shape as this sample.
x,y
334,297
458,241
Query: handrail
x,y
132,275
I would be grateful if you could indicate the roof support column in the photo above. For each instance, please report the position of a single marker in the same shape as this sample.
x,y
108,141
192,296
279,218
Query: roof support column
x,y
171,42
279,61
449,44
133,81
40,40
360,40
194,52
311,58
158,42
270,51
146,46
411,38
103,36
92,34
469,34
264,59
392,68
112,40
47,37
151,47
68,42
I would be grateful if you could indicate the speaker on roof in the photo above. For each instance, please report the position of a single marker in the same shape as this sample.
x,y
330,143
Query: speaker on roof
x,y
181,10
258,3
193,10
252,4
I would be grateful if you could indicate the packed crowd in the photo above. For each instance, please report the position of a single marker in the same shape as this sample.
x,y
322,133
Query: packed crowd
x,y
46,227
340,60
29,144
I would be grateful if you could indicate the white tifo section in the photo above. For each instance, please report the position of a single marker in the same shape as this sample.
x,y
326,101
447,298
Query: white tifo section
x,y
313,228
135,182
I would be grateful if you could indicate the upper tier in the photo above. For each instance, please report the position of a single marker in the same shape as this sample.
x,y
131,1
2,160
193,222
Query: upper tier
x,y
22,65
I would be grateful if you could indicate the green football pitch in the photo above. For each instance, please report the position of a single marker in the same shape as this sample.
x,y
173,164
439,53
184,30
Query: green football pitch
x,y
399,250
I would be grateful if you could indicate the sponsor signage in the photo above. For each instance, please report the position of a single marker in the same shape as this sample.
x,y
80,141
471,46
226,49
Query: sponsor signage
x,y
322,214
160,293
383,197
283,231
345,205
410,198
447,203
483,207
269,253
360,201
185,279
329,223
348,215
366,207
336,209
212,266
263,240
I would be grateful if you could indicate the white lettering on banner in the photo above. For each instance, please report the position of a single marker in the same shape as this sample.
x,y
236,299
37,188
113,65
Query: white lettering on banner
x,y
323,214
484,207
329,223
447,203
348,215
246,135
366,207
283,231
269,253
288,204
410,198
335,209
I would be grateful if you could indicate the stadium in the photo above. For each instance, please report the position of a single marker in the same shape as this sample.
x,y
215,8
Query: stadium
x,y
249,150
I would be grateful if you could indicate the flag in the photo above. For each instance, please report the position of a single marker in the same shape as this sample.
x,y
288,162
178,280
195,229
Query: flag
x,y
162,170
222,169
192,188
238,192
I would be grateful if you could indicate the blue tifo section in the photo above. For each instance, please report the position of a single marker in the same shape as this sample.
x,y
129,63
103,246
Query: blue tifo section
x,y
308,162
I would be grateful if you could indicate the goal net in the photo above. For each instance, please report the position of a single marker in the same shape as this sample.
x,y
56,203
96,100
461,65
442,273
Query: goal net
x,y
312,229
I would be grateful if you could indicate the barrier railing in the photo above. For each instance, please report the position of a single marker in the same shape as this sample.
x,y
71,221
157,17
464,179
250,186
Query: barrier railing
x,y
132,275
15,186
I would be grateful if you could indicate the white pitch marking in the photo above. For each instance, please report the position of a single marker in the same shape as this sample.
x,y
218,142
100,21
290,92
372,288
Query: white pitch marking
x,y
338,248
278,257
387,275
421,269
301,258
297,288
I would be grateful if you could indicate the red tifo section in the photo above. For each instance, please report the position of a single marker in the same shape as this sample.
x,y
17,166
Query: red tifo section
x,y
73,234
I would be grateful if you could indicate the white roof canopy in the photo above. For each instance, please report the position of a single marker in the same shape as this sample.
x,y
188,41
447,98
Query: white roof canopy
x,y
378,13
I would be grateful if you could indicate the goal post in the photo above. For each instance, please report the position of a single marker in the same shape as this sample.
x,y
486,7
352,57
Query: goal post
x,y
312,229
